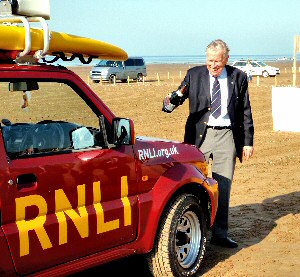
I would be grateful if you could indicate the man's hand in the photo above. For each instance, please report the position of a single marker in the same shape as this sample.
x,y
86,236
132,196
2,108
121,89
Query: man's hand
x,y
248,151
168,107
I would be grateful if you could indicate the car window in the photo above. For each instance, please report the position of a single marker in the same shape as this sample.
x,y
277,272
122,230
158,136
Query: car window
x,y
103,63
52,119
254,64
110,63
139,62
240,64
129,62
261,63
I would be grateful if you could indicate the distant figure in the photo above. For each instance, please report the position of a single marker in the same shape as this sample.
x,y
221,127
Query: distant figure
x,y
26,99
220,123
249,71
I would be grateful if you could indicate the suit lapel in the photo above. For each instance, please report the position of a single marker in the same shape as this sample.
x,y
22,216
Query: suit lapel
x,y
206,84
230,83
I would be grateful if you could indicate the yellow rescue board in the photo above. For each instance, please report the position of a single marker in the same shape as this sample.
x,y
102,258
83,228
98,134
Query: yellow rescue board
x,y
13,38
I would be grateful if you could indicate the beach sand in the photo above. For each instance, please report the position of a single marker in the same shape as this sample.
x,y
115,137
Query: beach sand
x,y
265,198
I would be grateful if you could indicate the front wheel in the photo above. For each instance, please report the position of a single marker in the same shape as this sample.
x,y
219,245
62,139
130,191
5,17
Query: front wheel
x,y
181,241
265,74
112,78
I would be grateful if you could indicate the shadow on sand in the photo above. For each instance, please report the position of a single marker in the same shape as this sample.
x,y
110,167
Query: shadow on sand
x,y
249,225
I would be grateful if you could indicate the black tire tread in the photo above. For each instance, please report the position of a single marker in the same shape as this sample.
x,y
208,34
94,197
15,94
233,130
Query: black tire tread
x,y
158,259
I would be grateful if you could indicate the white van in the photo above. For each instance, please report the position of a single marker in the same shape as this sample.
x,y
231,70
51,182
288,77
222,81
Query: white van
x,y
107,70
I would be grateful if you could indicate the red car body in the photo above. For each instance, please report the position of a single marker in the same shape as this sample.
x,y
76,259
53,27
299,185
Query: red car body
x,y
67,211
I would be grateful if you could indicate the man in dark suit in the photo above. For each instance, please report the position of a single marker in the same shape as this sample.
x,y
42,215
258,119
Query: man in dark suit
x,y
220,123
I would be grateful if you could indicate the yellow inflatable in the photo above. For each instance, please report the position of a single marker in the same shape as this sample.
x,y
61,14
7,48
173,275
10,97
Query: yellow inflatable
x,y
12,38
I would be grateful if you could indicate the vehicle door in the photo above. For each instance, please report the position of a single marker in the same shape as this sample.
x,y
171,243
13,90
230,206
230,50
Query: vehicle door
x,y
130,69
119,69
64,194
140,67
256,69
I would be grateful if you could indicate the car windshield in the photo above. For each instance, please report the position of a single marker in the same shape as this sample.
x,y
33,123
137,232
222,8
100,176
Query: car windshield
x,y
107,63
46,118
261,63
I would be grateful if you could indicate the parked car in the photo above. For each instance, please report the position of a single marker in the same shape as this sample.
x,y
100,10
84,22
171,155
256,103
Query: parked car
x,y
107,70
259,68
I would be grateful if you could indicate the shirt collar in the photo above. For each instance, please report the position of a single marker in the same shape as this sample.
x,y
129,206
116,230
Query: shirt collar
x,y
223,74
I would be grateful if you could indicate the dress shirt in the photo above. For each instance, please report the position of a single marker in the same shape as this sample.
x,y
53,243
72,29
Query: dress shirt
x,y
223,119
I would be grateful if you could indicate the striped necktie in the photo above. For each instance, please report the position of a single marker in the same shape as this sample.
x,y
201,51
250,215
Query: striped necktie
x,y
216,99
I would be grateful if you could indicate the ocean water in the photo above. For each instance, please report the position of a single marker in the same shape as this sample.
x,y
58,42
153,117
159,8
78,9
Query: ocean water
x,y
187,59
195,59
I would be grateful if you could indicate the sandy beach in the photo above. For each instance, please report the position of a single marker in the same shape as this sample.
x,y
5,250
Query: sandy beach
x,y
265,198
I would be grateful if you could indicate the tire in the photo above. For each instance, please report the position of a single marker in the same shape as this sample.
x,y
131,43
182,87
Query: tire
x,y
96,81
140,77
181,241
265,74
111,78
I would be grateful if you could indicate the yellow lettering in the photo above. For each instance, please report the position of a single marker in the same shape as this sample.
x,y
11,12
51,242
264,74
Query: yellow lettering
x,y
64,207
125,200
36,224
102,226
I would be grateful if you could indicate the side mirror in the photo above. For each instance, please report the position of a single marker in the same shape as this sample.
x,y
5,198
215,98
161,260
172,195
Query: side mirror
x,y
123,129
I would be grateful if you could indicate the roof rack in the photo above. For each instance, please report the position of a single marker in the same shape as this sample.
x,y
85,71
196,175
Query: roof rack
x,y
26,22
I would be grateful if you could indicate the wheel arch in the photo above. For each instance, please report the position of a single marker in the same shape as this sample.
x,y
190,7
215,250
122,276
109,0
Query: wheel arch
x,y
139,76
155,203
265,73
112,76
192,189
200,192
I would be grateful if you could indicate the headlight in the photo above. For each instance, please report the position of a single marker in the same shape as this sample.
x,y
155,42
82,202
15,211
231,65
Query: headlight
x,y
203,167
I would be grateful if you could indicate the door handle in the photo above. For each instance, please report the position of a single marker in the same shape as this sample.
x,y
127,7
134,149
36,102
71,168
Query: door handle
x,y
26,182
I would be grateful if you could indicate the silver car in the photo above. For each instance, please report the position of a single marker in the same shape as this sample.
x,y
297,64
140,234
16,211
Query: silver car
x,y
107,70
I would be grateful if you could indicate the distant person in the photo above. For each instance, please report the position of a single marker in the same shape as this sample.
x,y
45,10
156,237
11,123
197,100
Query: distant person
x,y
220,125
249,71
26,99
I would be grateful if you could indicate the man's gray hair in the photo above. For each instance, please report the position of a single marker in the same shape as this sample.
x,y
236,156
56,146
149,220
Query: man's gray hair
x,y
219,44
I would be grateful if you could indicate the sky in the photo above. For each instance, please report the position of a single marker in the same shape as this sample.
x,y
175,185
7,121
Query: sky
x,y
182,27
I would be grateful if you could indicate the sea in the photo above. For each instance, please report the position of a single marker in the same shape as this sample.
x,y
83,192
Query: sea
x,y
201,59
188,59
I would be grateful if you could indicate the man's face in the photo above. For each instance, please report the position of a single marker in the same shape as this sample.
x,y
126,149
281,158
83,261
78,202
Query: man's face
x,y
216,61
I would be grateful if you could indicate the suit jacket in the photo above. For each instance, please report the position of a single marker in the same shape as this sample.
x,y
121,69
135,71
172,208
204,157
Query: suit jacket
x,y
238,106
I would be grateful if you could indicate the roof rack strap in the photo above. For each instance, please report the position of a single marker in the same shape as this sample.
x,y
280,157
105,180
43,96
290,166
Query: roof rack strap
x,y
25,20
47,36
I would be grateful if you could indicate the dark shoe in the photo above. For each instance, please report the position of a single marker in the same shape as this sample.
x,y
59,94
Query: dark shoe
x,y
224,242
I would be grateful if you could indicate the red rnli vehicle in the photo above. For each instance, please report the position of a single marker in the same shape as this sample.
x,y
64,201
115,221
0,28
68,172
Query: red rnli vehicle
x,y
79,189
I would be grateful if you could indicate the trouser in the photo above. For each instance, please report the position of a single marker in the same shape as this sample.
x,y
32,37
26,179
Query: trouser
x,y
218,145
